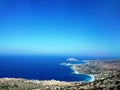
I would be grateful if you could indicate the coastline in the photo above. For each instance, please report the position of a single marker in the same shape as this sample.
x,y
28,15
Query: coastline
x,y
92,78
73,67
89,83
76,72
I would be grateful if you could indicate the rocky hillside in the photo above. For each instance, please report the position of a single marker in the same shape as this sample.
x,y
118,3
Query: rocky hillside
x,y
110,83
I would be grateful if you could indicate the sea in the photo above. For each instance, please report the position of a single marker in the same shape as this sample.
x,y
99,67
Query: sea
x,y
39,68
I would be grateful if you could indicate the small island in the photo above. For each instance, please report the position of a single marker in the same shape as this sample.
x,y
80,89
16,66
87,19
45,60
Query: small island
x,y
72,59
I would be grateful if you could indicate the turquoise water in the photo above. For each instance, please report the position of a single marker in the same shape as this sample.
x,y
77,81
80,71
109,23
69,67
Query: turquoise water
x,y
39,67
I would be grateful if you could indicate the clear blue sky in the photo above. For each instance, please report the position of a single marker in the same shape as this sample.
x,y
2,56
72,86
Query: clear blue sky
x,y
69,27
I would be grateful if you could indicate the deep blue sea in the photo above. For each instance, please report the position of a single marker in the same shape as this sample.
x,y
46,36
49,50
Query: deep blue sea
x,y
38,67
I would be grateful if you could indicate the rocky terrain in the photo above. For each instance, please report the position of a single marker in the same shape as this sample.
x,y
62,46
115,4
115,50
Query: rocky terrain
x,y
110,83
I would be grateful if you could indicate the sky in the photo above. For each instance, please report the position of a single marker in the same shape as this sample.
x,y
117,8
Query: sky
x,y
68,27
